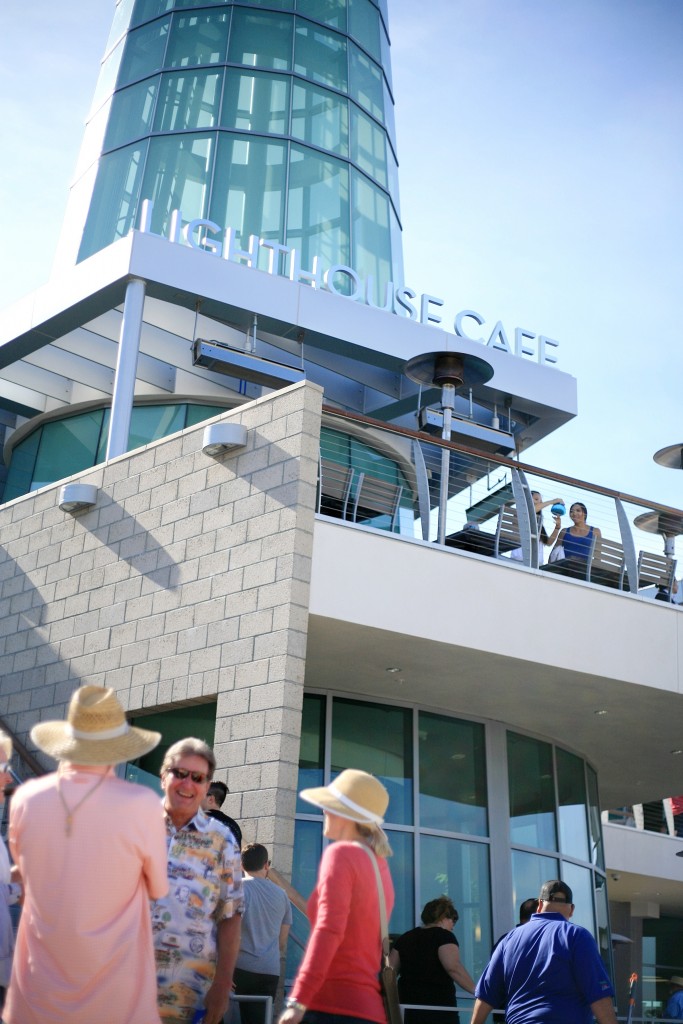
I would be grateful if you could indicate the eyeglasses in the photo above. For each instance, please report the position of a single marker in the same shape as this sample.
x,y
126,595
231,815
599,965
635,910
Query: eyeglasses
x,y
557,899
181,774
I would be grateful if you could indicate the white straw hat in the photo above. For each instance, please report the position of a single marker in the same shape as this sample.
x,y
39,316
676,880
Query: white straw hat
x,y
96,731
354,795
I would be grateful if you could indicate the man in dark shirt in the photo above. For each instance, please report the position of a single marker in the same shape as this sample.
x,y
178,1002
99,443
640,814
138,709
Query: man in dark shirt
x,y
549,971
212,803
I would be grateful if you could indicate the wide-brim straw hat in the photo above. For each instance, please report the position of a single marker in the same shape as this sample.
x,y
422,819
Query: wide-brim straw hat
x,y
676,979
96,731
354,795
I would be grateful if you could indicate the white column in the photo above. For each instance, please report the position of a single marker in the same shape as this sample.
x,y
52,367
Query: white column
x,y
126,368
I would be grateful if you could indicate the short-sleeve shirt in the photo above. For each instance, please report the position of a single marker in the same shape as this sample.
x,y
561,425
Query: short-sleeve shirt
x,y
547,972
422,977
266,909
205,887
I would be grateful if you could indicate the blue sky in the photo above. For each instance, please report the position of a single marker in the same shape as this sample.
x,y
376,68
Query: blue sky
x,y
541,169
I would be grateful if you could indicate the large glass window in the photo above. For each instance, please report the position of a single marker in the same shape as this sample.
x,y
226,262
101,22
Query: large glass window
x,y
580,881
320,118
261,39
332,12
597,850
529,872
371,235
255,101
364,25
312,748
115,198
318,214
188,100
460,870
453,791
572,810
177,177
249,193
403,876
532,792
320,55
197,39
365,85
144,51
131,113
369,145
378,739
66,447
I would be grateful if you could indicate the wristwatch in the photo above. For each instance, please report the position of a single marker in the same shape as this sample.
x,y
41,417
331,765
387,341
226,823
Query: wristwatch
x,y
294,1004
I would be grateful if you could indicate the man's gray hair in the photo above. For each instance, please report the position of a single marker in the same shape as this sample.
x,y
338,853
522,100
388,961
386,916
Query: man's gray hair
x,y
188,748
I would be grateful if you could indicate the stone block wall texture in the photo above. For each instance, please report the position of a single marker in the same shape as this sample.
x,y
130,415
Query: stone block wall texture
x,y
187,581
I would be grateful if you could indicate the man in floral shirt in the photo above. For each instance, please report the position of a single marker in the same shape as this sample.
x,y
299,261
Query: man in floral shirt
x,y
197,926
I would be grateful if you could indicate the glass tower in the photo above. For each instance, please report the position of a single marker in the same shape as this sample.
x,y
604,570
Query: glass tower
x,y
272,117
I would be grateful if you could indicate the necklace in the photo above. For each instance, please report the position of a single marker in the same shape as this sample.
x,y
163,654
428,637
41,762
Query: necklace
x,y
70,811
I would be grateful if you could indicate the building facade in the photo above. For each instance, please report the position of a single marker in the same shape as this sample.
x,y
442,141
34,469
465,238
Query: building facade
x,y
288,598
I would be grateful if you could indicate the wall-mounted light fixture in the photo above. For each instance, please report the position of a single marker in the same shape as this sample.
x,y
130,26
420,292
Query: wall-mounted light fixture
x,y
77,497
221,438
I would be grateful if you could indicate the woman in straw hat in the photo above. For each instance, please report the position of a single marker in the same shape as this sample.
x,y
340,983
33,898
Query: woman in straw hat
x,y
338,978
9,893
91,850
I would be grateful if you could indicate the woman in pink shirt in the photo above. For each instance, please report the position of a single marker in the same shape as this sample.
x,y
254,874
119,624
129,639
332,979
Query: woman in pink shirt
x,y
91,850
338,981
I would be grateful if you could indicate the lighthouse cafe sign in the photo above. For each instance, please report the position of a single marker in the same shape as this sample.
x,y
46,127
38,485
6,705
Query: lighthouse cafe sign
x,y
209,237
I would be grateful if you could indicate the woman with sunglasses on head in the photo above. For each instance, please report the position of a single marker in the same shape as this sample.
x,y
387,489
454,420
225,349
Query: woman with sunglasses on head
x,y
338,980
428,963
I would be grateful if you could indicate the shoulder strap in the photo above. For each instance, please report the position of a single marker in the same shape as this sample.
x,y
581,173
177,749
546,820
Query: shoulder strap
x,y
380,893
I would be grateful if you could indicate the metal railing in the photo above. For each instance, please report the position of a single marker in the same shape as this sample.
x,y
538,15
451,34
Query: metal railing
x,y
479,484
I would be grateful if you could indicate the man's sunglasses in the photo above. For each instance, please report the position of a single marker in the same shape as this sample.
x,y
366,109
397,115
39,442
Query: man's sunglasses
x,y
181,774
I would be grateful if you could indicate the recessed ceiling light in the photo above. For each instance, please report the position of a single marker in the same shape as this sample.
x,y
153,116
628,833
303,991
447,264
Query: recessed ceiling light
x,y
600,712
393,670
676,752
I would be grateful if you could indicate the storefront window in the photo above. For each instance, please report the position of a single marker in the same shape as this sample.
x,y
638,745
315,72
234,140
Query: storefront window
x,y
572,809
453,792
532,792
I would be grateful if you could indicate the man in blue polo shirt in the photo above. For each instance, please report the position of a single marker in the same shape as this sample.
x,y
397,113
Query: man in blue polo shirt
x,y
549,971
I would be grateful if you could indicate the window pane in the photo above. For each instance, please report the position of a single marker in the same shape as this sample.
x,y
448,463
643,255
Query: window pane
x,y
197,39
460,870
131,113
532,792
261,39
529,872
115,199
602,914
580,881
249,188
144,52
308,841
371,234
321,118
364,25
320,55
378,739
366,82
20,471
67,447
452,775
177,177
597,850
402,866
188,100
198,413
152,422
311,750
318,216
332,12
368,145
256,102
573,819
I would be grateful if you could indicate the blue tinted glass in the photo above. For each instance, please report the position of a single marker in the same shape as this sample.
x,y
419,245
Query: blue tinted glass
x,y
144,51
249,194
318,210
460,870
131,113
199,413
20,471
572,809
311,750
378,739
152,422
364,26
177,174
66,447
307,853
320,55
529,872
261,39
596,844
188,100
256,101
197,39
580,881
332,12
532,792
366,83
320,118
115,198
402,866
453,796
368,145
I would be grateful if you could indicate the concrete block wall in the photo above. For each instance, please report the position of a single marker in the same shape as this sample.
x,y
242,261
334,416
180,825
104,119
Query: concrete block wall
x,y
188,580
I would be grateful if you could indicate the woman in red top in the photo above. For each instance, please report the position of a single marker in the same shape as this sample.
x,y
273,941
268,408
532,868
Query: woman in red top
x,y
338,981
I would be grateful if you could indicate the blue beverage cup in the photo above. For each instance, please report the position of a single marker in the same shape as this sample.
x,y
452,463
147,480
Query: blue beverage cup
x,y
558,509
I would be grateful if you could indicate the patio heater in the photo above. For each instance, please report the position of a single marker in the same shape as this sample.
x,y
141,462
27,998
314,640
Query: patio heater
x,y
449,371
669,526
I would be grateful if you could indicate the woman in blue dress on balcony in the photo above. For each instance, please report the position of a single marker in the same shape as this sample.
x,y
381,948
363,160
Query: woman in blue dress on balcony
x,y
576,539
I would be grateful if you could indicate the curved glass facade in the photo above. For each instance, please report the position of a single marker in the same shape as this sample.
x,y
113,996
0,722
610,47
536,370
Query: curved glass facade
x,y
275,122
471,804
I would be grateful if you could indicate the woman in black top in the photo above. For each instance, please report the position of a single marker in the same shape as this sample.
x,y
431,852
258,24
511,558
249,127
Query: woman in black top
x,y
428,962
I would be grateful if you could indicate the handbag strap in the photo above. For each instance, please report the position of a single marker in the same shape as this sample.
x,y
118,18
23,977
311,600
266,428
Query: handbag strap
x,y
382,901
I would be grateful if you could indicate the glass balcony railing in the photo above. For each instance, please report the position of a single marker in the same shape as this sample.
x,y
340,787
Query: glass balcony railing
x,y
417,486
